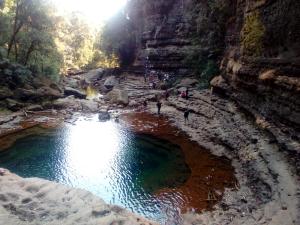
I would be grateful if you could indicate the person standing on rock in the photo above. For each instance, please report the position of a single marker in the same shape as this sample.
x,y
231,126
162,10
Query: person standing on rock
x,y
158,105
186,115
145,104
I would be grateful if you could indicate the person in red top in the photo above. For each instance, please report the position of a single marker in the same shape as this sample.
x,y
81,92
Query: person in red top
x,y
183,94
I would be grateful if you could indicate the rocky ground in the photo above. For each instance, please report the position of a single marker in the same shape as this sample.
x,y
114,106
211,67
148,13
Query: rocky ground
x,y
269,189
269,185
35,201
268,179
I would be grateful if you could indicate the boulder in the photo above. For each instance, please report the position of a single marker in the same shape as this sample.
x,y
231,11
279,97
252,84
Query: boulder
x,y
93,75
133,103
89,105
72,91
118,96
102,89
67,103
219,85
34,108
4,64
42,93
40,202
26,94
56,87
13,105
110,82
151,98
5,93
48,93
103,116
70,82
188,82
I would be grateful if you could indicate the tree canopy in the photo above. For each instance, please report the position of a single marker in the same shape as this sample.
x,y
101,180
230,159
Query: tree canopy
x,y
33,34
28,34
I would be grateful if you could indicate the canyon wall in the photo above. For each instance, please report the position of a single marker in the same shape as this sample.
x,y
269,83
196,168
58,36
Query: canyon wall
x,y
177,35
255,44
261,67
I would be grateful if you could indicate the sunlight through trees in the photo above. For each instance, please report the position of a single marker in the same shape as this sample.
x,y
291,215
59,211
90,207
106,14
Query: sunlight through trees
x,y
34,34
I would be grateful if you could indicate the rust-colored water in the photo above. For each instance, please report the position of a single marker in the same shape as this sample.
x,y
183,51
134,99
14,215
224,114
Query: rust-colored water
x,y
210,175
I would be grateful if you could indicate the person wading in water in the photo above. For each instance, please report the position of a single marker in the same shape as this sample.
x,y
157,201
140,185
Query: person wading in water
x,y
158,104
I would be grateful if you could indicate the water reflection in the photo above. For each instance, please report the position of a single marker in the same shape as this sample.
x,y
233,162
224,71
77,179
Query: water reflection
x,y
121,167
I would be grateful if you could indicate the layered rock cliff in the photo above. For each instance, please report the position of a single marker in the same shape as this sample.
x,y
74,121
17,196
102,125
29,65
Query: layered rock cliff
x,y
254,43
179,36
261,66
256,46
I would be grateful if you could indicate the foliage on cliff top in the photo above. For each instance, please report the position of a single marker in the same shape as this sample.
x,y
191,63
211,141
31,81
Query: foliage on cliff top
x,y
252,35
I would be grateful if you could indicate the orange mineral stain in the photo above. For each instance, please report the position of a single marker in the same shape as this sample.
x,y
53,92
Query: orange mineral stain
x,y
210,175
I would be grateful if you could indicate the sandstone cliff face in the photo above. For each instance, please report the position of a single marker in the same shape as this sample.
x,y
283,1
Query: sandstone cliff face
x,y
261,66
255,43
179,35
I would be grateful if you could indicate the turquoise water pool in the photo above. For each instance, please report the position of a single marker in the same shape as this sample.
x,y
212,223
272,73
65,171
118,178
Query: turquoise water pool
x,y
115,164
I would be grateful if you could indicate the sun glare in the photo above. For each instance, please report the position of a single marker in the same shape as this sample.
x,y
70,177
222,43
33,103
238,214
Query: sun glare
x,y
95,12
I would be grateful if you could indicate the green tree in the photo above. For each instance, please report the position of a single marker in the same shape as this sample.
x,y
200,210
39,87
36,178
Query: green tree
x,y
28,34
76,41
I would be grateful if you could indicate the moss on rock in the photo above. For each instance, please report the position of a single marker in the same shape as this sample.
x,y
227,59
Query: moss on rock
x,y
252,35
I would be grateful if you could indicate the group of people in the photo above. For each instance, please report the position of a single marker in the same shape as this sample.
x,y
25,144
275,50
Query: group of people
x,y
159,105
185,114
153,78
